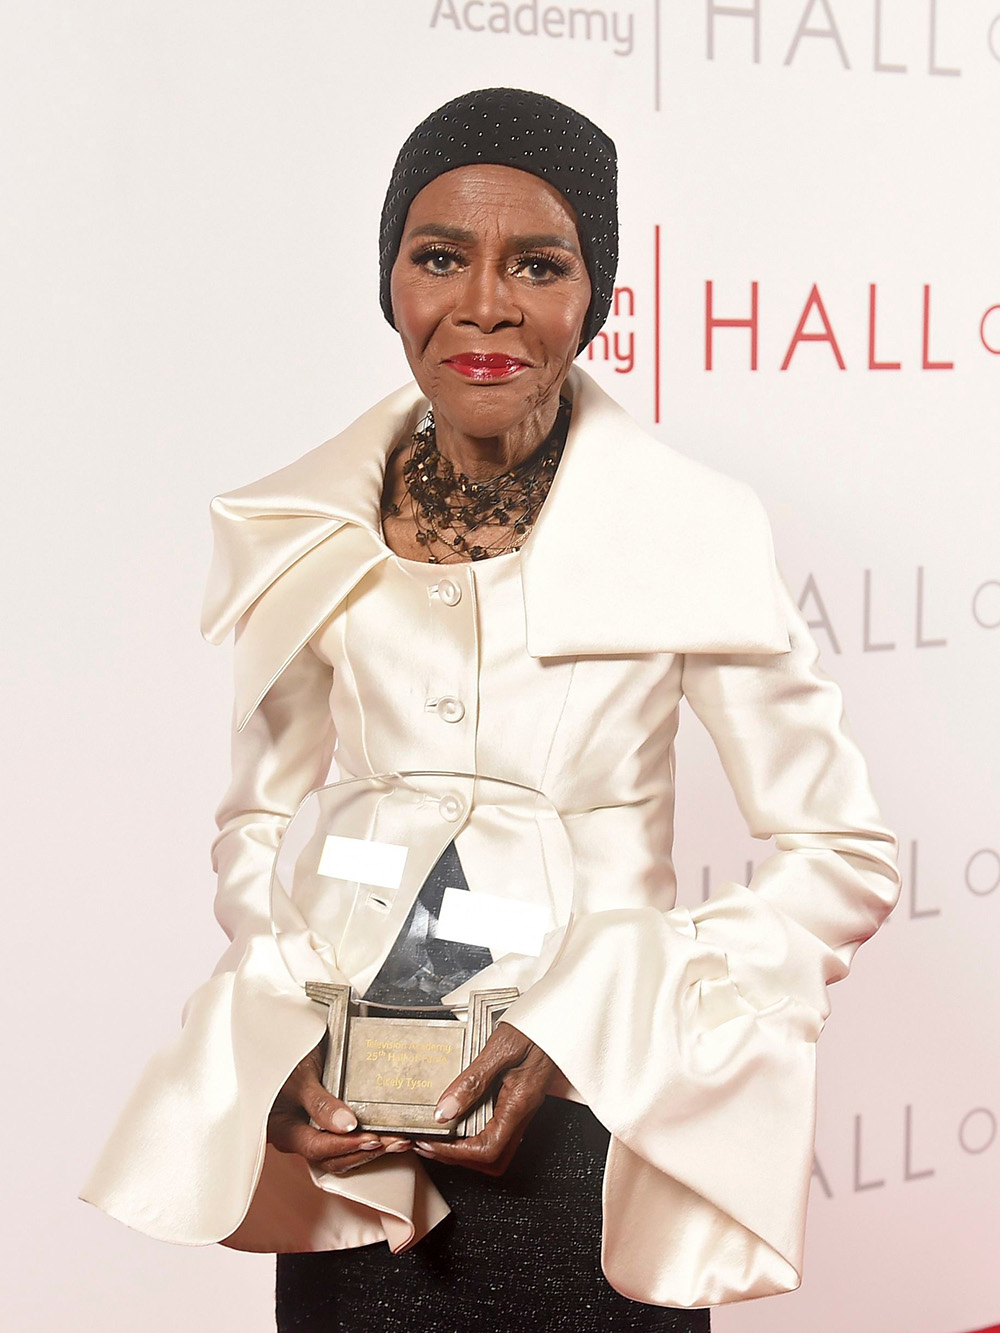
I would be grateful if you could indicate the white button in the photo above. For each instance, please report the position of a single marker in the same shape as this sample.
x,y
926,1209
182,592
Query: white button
x,y
452,808
449,592
451,710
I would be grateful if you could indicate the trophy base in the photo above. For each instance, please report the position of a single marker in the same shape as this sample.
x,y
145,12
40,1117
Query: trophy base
x,y
391,1071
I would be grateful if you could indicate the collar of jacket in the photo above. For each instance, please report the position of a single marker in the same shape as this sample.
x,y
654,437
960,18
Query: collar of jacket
x,y
689,569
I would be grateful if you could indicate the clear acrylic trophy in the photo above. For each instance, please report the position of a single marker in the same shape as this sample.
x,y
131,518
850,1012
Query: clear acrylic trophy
x,y
417,906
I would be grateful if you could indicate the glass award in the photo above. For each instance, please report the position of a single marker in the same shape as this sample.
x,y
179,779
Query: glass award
x,y
416,906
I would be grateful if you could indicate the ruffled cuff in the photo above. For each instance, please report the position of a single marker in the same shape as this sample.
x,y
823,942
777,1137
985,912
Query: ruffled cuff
x,y
709,1098
188,1161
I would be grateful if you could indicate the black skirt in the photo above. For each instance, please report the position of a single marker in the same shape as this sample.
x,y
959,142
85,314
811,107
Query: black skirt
x,y
520,1252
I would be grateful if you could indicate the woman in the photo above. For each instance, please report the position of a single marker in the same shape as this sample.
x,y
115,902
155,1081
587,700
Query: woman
x,y
594,579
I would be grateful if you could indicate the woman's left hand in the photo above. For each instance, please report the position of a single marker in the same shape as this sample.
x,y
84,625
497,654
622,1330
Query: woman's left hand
x,y
527,1073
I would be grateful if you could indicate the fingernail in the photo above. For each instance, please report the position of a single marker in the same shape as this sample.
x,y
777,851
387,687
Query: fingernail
x,y
399,1147
344,1120
370,1147
448,1107
421,1146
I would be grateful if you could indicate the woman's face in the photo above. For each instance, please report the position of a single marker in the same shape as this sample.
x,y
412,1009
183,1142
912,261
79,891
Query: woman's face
x,y
489,294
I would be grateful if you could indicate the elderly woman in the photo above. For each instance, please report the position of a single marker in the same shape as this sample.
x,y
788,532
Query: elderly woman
x,y
651,1148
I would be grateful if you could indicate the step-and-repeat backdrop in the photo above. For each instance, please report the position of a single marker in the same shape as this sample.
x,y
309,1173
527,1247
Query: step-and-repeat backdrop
x,y
808,298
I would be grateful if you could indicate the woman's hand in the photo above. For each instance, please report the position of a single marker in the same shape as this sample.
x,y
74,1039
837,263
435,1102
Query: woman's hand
x,y
334,1147
527,1073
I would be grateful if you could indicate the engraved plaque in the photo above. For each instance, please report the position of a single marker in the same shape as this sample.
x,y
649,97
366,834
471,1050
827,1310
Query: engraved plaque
x,y
391,1071
396,1065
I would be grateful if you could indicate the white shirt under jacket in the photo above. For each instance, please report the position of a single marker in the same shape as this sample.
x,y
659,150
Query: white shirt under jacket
x,y
648,578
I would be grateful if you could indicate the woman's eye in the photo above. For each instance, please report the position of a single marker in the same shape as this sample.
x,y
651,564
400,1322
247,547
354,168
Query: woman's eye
x,y
437,261
540,270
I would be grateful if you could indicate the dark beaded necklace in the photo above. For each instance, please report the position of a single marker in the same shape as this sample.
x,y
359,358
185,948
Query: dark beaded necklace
x,y
448,507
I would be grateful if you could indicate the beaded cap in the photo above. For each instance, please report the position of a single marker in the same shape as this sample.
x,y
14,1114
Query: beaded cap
x,y
515,128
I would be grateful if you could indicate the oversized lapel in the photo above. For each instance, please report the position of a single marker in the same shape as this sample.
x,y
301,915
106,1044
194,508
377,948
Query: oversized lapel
x,y
641,549
289,548
261,530
637,548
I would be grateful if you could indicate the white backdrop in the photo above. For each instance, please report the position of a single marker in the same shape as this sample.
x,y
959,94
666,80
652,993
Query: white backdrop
x,y
190,300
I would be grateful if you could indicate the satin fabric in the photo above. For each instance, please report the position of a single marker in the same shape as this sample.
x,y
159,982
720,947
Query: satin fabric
x,y
690,1033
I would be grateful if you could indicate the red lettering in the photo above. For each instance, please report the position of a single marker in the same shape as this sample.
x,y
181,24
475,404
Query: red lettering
x,y
712,323
604,340
982,330
873,364
800,336
624,291
928,364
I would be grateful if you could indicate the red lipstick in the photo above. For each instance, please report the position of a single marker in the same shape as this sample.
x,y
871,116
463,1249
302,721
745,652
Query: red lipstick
x,y
485,367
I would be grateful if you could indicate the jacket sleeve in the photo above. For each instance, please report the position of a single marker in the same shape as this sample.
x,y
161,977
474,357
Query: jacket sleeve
x,y
692,1032
799,778
282,753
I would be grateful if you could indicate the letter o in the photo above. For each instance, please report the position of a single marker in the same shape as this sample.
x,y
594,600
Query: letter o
x,y
993,38
986,852
986,624
982,331
990,1127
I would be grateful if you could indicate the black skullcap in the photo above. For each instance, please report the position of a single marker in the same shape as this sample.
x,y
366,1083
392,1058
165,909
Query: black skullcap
x,y
515,128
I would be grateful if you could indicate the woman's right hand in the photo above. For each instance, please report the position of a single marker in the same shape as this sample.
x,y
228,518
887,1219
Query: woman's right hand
x,y
337,1146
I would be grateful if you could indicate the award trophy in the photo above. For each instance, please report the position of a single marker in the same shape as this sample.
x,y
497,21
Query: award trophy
x,y
416,906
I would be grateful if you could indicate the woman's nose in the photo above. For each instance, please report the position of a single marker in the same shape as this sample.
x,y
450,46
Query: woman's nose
x,y
486,300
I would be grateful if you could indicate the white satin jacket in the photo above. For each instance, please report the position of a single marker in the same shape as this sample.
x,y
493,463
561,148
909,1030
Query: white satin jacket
x,y
691,1034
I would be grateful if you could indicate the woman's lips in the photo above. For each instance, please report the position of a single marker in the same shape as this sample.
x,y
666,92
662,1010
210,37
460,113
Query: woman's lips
x,y
485,367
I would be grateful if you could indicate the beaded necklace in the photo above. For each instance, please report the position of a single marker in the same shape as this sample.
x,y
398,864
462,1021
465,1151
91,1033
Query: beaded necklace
x,y
448,507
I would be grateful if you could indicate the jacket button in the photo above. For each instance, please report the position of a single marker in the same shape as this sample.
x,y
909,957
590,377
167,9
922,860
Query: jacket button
x,y
452,807
451,710
449,592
